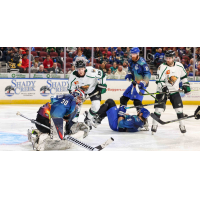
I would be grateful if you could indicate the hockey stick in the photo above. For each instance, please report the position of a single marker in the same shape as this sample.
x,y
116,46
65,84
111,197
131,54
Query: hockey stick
x,y
140,93
147,91
144,105
73,140
92,95
168,122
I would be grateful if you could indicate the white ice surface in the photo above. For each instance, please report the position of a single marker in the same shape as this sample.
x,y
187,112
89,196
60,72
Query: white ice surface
x,y
168,137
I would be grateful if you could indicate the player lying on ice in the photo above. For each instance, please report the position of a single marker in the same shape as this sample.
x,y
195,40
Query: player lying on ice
x,y
119,120
62,108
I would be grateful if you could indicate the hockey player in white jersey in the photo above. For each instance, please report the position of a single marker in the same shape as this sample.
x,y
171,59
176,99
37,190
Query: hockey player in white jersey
x,y
169,75
91,81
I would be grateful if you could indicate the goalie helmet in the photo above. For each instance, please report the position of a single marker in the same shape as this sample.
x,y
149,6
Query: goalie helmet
x,y
80,64
78,94
145,112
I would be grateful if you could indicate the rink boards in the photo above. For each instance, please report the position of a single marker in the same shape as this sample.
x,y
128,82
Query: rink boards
x,y
39,91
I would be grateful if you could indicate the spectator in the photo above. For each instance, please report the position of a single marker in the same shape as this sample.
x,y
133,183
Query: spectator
x,y
41,69
34,68
48,62
190,71
25,63
124,58
151,71
80,56
23,50
198,68
184,63
87,53
71,70
120,71
107,52
119,52
114,68
27,53
37,61
181,52
50,49
103,67
18,58
10,50
97,54
159,57
123,49
125,66
104,59
111,49
113,58
71,50
177,58
109,72
59,50
4,50
55,69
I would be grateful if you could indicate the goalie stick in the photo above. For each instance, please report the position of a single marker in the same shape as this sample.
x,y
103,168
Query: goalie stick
x,y
73,140
168,122
140,93
144,105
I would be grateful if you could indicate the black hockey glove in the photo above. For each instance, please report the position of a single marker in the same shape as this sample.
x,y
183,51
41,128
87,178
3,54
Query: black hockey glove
x,y
165,89
197,113
186,87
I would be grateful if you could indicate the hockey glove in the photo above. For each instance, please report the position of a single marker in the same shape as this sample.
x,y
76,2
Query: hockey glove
x,y
141,85
101,88
122,111
197,113
129,77
165,89
186,87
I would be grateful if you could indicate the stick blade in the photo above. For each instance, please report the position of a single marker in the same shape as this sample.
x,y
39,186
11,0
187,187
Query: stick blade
x,y
102,146
157,119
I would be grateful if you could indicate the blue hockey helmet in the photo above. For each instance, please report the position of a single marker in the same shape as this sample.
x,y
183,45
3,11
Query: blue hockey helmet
x,y
135,50
145,113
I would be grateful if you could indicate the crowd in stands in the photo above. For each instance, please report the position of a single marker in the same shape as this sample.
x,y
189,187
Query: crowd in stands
x,y
111,60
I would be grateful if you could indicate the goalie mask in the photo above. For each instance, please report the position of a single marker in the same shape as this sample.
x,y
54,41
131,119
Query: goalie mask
x,y
79,95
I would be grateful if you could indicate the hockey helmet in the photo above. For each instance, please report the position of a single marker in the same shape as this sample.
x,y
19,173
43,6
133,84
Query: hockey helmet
x,y
135,50
145,112
170,53
80,64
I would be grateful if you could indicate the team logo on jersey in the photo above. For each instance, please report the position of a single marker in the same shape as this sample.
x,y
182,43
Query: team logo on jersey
x,y
76,82
172,79
168,72
147,69
85,87
93,70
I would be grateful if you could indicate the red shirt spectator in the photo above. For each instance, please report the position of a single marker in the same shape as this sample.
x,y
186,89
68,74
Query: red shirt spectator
x,y
108,52
25,62
48,63
23,50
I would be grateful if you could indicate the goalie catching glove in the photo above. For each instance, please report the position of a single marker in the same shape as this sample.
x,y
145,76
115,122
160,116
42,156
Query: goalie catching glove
x,y
186,87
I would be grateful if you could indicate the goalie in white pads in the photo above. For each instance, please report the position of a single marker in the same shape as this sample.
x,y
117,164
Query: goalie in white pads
x,y
168,77
92,82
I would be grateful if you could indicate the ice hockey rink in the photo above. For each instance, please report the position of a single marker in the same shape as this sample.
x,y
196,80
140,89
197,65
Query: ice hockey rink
x,y
13,132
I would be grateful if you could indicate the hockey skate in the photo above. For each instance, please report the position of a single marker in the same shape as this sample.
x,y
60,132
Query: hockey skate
x,y
88,121
182,129
33,136
154,129
146,125
97,120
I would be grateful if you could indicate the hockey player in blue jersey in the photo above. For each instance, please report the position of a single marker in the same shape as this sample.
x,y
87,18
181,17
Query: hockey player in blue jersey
x,y
138,72
61,106
119,120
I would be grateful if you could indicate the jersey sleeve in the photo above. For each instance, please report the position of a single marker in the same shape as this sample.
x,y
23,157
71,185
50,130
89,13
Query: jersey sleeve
x,y
183,73
72,107
161,74
71,86
146,72
102,76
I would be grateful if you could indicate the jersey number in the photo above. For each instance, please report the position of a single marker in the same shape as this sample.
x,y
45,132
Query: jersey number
x,y
99,73
65,102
